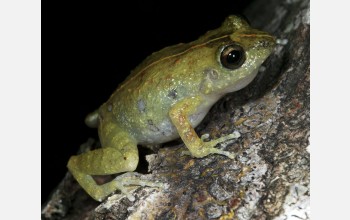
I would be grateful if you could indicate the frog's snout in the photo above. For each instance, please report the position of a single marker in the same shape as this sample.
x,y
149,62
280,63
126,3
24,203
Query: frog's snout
x,y
268,42
256,38
264,40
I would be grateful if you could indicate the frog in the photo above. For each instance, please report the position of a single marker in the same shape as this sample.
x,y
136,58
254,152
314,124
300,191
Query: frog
x,y
165,98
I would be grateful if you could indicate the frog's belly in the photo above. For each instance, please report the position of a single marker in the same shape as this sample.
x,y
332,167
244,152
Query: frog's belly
x,y
166,131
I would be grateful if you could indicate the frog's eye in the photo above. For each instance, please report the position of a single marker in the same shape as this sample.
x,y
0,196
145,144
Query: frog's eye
x,y
232,56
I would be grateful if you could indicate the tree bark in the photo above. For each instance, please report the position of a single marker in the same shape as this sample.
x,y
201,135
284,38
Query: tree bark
x,y
270,176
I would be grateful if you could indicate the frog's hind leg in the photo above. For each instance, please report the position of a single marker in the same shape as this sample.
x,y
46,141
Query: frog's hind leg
x,y
103,161
120,155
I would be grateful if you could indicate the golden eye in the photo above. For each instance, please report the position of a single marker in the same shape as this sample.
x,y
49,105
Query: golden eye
x,y
232,56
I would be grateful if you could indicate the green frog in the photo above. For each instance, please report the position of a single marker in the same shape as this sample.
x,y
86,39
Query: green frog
x,y
165,98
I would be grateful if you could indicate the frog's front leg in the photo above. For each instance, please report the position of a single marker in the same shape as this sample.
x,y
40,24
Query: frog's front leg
x,y
105,161
179,115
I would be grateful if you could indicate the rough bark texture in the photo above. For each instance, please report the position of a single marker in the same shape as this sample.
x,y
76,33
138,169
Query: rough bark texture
x,y
268,179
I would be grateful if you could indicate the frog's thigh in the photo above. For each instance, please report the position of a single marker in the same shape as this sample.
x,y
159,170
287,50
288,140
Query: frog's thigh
x,y
179,115
102,161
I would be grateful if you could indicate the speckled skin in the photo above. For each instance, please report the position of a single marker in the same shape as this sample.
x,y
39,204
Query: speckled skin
x,y
166,97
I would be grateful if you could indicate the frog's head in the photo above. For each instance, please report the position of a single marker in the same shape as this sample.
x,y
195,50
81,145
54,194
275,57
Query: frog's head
x,y
240,50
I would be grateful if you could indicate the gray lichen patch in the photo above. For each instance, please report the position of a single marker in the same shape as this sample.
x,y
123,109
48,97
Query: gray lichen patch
x,y
219,193
297,203
214,211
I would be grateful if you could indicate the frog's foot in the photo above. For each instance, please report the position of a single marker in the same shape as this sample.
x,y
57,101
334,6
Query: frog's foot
x,y
208,147
123,182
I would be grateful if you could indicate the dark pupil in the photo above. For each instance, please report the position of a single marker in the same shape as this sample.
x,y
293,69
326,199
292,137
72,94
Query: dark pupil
x,y
234,56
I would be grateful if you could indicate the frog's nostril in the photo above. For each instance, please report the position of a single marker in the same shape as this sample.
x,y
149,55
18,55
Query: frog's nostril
x,y
265,43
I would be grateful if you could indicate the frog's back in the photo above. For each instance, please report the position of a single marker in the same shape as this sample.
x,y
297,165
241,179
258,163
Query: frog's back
x,y
228,27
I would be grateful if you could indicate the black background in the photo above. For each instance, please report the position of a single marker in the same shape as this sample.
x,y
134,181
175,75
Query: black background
x,y
88,48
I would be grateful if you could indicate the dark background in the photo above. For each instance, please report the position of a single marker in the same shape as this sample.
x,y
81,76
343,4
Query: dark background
x,y
89,48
